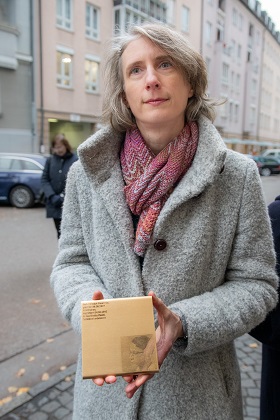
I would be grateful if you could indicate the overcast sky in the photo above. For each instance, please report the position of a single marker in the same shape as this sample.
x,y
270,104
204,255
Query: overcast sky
x,y
273,9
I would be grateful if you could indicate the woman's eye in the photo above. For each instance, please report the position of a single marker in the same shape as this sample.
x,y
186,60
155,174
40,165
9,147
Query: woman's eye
x,y
166,64
136,70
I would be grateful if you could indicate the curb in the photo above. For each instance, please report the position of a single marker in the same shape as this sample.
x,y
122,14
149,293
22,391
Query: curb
x,y
36,390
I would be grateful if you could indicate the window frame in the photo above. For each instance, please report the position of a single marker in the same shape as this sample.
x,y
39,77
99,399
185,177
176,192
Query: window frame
x,y
67,53
62,21
185,21
96,60
91,31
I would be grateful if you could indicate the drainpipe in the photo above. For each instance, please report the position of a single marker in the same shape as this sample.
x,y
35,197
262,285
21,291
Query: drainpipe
x,y
33,96
260,89
41,81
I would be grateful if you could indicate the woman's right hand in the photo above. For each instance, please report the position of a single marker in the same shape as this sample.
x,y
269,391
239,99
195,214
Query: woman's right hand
x,y
168,331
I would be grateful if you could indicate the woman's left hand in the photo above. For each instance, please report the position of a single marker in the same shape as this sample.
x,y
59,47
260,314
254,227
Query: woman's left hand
x,y
169,329
108,379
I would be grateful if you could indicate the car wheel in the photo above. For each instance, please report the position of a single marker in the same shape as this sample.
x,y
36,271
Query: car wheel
x,y
265,172
21,197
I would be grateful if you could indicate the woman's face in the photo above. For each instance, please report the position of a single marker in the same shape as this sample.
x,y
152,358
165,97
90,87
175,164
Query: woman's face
x,y
155,90
59,148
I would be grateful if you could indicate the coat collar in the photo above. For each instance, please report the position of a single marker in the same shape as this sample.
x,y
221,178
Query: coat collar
x,y
206,167
99,156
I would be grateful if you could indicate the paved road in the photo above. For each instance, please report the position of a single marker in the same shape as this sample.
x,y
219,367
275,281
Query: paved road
x,y
35,339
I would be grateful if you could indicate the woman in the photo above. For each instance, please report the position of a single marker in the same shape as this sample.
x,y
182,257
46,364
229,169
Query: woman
x,y
54,177
157,203
268,332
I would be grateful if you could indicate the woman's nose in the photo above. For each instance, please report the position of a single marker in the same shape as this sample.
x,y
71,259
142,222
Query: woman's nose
x,y
152,81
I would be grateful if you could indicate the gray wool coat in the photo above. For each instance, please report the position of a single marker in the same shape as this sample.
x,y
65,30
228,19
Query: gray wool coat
x,y
217,273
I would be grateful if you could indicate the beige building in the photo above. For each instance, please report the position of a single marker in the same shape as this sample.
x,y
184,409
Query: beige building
x,y
269,117
236,38
70,46
233,47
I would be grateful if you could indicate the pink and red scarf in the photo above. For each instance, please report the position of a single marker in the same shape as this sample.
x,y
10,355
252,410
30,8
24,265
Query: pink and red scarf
x,y
150,179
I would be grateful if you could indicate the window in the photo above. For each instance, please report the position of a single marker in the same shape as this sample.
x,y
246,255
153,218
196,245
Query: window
x,y
232,78
252,114
92,21
30,166
276,125
64,62
251,29
224,107
117,23
185,19
92,74
16,165
233,48
240,22
7,12
220,32
237,83
170,11
221,5
208,33
225,73
236,112
239,49
234,17
230,110
64,14
5,164
254,87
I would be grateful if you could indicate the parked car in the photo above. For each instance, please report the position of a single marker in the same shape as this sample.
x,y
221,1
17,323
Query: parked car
x,y
20,178
274,153
267,165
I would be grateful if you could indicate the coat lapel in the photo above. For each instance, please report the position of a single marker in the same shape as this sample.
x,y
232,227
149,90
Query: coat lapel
x,y
99,156
206,167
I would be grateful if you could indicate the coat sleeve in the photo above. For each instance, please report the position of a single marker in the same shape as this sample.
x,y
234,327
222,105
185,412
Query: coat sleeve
x,y
73,277
268,332
45,180
249,290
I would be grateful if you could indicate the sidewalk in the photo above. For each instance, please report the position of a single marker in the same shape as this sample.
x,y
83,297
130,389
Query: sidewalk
x,y
53,399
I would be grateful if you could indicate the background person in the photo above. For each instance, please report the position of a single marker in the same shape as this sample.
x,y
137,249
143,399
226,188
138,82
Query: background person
x,y
54,177
268,332
157,202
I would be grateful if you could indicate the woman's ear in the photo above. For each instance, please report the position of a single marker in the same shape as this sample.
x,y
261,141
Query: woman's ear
x,y
125,100
191,93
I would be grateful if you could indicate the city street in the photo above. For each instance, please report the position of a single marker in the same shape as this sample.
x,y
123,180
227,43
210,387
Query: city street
x,y
36,343
35,339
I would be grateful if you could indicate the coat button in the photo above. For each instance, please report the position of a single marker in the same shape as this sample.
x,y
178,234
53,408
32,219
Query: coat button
x,y
160,244
60,171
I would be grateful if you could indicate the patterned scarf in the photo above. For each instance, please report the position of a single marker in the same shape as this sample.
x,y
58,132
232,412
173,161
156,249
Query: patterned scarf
x,y
150,179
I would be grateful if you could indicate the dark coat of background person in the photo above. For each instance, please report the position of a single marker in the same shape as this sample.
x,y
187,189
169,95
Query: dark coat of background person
x,y
54,181
268,332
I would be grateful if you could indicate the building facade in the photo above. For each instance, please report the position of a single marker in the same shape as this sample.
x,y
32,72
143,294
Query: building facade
x,y
51,66
69,82
17,100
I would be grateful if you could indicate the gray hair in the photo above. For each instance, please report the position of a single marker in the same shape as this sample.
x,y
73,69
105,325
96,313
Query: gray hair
x,y
189,62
